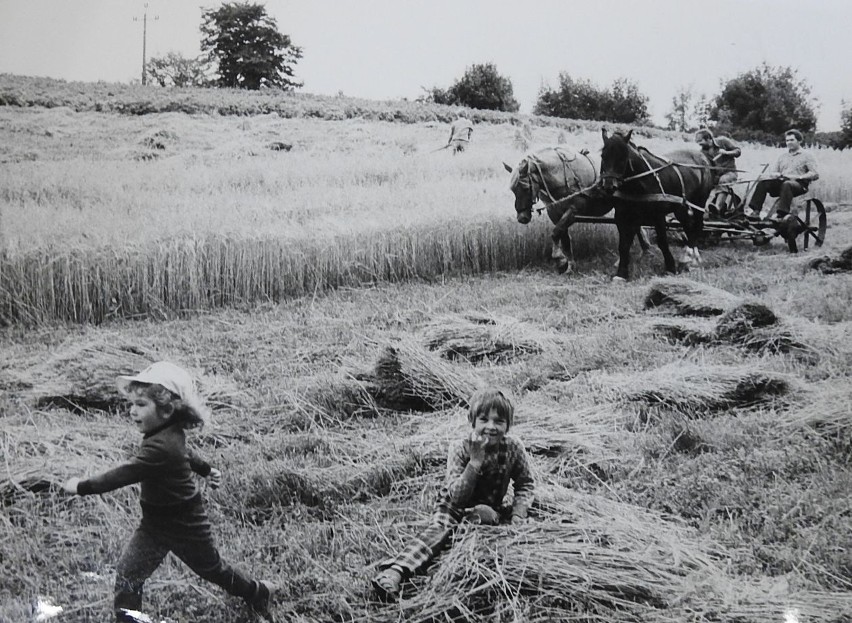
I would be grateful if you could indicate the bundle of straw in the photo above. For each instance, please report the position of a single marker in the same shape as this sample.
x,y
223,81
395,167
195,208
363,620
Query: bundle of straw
x,y
688,331
825,408
476,338
80,374
690,298
333,398
691,388
23,479
408,377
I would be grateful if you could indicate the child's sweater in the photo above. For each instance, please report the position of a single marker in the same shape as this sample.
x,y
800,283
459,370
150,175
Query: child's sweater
x,y
163,465
465,487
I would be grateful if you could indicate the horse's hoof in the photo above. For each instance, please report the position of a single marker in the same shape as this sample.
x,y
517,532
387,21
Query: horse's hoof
x,y
565,268
618,279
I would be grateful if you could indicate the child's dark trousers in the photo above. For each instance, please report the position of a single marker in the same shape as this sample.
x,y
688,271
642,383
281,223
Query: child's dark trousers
x,y
186,533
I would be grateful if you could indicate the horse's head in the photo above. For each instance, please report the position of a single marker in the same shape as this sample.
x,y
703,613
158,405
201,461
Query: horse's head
x,y
615,159
525,192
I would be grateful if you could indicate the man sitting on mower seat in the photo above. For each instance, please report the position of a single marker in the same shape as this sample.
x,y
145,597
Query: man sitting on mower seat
x,y
789,177
722,152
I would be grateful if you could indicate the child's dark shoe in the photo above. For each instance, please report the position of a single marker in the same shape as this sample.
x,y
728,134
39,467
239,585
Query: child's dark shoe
x,y
386,585
259,602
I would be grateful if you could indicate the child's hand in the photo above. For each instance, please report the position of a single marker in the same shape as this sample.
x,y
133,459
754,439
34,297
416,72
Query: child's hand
x,y
214,478
477,448
70,485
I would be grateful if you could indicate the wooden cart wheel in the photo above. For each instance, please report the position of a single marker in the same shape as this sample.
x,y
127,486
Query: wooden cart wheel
x,y
815,223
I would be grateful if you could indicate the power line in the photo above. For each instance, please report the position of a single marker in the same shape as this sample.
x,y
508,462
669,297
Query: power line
x,y
145,42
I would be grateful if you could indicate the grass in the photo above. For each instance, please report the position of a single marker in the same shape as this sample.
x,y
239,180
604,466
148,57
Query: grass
x,y
670,488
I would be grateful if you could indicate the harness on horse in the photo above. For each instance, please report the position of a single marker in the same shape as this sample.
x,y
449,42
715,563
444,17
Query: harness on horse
x,y
565,158
662,195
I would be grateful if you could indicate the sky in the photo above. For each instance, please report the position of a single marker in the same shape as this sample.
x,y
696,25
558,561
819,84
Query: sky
x,y
390,49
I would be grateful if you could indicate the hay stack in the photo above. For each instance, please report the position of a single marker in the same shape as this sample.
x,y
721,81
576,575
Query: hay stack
x,y
476,338
407,377
694,389
689,298
80,375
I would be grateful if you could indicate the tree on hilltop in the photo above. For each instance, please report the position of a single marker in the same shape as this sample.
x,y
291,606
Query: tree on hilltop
x,y
246,46
481,87
688,112
765,102
581,99
175,70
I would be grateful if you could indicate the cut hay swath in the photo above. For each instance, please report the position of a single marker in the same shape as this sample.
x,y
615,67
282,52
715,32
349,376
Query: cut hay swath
x,y
592,559
689,298
589,559
478,337
825,408
754,327
694,389
280,483
332,397
79,374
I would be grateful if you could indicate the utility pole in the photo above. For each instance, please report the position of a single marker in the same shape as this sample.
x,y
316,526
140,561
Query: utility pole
x,y
145,42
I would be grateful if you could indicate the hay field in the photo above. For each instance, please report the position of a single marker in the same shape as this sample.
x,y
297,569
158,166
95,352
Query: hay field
x,y
681,478
106,216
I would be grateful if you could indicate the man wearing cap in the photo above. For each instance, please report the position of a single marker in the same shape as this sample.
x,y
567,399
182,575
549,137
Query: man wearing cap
x,y
722,152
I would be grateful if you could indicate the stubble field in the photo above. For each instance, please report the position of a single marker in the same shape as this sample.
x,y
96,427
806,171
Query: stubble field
x,y
692,467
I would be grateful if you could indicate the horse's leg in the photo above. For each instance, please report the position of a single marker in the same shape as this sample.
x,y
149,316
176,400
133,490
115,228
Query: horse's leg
x,y
561,250
562,241
663,243
643,242
693,228
626,231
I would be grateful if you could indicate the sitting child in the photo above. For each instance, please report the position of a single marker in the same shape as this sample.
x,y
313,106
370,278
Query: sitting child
x,y
479,468
163,403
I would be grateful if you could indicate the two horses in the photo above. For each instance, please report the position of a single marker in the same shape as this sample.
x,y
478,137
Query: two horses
x,y
643,189
567,183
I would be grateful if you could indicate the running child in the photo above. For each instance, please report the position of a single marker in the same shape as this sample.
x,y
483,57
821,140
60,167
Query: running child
x,y
163,404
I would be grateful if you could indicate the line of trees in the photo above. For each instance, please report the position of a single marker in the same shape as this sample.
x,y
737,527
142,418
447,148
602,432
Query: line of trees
x,y
243,48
